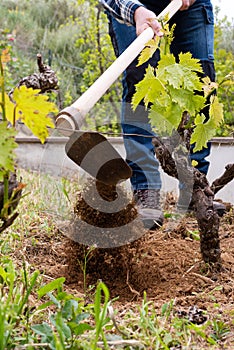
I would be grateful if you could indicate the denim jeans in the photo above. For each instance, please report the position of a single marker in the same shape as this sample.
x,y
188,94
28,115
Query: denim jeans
x,y
194,32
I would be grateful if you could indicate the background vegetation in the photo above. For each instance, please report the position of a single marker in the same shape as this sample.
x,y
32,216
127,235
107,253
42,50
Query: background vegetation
x,y
72,36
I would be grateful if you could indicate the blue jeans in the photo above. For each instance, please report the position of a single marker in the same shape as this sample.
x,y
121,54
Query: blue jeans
x,y
194,32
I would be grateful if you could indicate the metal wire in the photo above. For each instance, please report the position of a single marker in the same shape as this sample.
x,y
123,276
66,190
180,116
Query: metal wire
x,y
96,132
108,133
103,132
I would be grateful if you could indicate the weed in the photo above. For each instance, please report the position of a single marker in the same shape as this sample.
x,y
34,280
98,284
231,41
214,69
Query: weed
x,y
15,289
220,330
83,266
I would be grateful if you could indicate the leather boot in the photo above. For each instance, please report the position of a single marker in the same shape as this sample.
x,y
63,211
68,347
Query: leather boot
x,y
149,209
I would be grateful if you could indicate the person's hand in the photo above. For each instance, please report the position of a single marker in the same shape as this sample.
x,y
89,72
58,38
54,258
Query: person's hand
x,y
186,4
145,18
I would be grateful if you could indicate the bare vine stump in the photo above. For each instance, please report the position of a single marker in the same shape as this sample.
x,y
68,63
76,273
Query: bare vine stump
x,y
46,80
202,198
208,221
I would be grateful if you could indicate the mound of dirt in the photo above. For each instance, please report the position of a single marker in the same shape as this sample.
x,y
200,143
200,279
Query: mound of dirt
x,y
165,263
104,217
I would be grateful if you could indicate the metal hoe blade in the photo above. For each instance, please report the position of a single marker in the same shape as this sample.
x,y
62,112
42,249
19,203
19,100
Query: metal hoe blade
x,y
95,154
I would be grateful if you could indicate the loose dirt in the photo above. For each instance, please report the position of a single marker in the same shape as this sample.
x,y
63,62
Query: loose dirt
x,y
165,263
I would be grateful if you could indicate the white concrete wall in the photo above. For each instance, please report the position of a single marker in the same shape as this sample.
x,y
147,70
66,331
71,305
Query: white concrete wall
x,y
221,155
51,158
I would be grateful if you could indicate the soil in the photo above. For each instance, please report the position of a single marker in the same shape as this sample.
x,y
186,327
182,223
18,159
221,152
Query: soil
x,y
165,263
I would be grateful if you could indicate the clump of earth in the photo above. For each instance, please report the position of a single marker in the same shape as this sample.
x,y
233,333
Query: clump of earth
x,y
104,217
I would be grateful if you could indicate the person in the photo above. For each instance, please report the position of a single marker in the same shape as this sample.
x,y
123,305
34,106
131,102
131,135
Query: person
x,y
194,33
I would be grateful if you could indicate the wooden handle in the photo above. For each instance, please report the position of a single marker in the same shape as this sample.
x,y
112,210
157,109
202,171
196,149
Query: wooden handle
x,y
87,100
100,86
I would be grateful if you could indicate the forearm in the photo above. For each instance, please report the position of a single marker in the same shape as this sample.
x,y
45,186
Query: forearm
x,y
135,13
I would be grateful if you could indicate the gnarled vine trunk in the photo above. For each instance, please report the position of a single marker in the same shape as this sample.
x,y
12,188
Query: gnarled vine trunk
x,y
202,196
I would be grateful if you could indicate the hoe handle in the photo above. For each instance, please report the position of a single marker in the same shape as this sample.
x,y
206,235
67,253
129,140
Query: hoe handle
x,y
73,116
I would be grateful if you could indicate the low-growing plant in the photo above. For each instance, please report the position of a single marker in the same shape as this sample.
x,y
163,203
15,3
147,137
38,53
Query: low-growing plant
x,y
15,309
220,330
66,323
67,326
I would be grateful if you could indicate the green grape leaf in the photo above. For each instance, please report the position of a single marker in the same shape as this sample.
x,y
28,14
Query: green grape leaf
x,y
191,81
202,132
179,75
149,50
34,109
175,87
148,89
174,114
187,100
163,100
174,75
7,146
208,86
216,111
159,122
192,64
165,62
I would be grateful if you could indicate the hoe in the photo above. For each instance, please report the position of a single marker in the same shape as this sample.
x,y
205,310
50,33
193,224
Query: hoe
x,y
91,150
